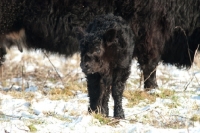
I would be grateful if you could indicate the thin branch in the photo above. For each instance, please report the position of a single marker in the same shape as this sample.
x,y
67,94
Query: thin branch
x,y
53,66
11,86
188,83
22,76
191,63
150,74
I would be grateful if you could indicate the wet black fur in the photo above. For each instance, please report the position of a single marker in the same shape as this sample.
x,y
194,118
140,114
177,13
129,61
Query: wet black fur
x,y
106,54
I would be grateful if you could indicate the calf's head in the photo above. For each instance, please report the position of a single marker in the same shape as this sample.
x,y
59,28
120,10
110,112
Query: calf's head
x,y
93,50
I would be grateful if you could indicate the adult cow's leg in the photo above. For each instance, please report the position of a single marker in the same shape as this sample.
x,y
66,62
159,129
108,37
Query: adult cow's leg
x,y
148,64
2,55
149,75
148,55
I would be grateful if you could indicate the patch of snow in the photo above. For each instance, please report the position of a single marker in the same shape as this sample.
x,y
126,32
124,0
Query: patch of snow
x,y
71,116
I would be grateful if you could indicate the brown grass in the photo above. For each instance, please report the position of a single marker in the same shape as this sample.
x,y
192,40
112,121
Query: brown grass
x,y
134,97
26,95
44,73
195,117
165,93
72,82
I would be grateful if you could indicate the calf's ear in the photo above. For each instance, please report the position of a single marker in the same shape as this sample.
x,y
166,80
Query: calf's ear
x,y
109,36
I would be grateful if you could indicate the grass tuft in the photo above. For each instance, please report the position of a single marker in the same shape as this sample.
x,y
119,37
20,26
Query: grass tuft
x,y
195,117
104,120
32,128
165,93
26,95
134,97
68,92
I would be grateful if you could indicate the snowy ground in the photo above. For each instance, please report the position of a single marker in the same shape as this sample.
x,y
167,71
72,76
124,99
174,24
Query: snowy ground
x,y
27,106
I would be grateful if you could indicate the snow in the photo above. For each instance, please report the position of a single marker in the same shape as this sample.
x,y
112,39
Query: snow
x,y
71,116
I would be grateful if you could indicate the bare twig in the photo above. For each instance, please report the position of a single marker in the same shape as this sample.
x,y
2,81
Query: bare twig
x,y
114,121
197,79
191,63
181,117
1,72
188,83
11,86
53,66
22,75
150,74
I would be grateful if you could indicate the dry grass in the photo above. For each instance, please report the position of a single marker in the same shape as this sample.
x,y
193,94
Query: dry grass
x,y
166,93
195,117
32,128
197,60
44,71
135,97
105,120
18,95
65,93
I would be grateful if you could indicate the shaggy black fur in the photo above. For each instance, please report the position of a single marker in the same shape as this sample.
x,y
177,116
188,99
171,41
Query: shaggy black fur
x,y
46,24
165,30
106,54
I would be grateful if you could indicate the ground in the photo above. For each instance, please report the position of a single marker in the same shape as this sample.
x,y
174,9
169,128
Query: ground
x,y
46,93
